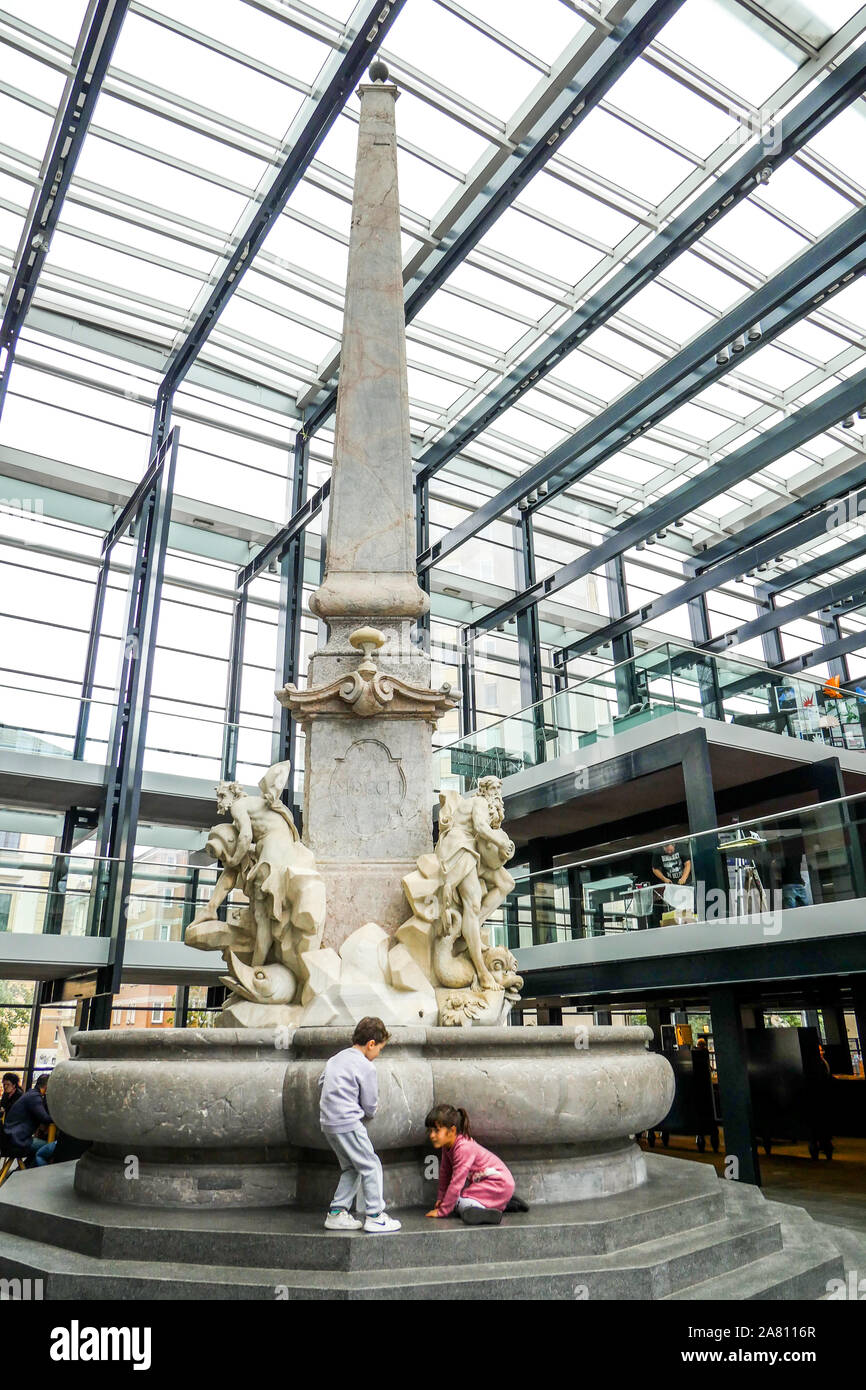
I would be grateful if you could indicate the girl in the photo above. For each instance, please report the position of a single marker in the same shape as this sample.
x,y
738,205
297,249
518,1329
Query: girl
x,y
472,1180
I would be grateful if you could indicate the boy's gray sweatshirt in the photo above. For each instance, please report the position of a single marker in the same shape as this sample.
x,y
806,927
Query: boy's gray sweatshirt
x,y
349,1092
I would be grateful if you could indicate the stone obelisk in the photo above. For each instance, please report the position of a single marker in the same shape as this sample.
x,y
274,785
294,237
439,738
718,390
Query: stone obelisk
x,y
368,710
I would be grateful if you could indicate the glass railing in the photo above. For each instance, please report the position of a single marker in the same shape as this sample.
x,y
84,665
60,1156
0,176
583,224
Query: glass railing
x,y
666,678
48,894
185,742
753,870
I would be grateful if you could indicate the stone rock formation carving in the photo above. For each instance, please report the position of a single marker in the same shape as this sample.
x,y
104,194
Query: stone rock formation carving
x,y
452,893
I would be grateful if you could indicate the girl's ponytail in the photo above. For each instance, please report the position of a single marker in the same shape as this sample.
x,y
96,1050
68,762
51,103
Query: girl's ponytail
x,y
444,1116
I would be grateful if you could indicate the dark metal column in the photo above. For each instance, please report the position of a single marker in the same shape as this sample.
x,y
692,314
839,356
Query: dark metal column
x,y
731,1064
701,811
284,742
39,992
151,509
422,543
233,689
542,902
622,648
709,690
468,718
528,636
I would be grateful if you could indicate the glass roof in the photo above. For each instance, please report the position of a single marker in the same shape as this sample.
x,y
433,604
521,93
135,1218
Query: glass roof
x,y
196,114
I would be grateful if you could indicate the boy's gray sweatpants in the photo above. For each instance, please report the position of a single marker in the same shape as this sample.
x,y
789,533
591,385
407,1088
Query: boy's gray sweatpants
x,y
359,1167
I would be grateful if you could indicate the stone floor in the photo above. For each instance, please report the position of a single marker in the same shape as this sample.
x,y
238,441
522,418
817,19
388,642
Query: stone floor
x,y
831,1192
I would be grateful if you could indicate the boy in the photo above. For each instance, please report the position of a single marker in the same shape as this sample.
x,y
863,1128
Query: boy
x,y
350,1093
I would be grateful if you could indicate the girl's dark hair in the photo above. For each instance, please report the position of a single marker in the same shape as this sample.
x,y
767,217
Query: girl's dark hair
x,y
444,1116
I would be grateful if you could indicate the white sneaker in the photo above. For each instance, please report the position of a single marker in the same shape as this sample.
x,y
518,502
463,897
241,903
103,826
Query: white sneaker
x,y
342,1221
381,1225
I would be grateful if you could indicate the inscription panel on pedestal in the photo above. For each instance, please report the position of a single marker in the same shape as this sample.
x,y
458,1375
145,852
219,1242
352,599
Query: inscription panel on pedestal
x,y
368,788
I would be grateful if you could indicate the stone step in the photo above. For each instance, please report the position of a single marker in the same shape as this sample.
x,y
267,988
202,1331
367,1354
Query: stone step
x,y
660,1268
784,1275
42,1206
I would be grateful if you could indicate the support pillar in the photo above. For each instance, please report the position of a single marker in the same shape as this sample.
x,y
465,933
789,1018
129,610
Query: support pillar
x,y
701,812
628,692
119,816
732,1066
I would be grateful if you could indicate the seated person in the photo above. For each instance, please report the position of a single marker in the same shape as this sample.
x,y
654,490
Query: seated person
x,y
12,1091
23,1120
472,1180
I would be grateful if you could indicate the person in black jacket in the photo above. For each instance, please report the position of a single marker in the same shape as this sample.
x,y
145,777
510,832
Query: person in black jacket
x,y
12,1091
23,1119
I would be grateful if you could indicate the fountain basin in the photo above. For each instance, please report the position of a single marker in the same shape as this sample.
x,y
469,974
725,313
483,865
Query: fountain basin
x,y
196,1117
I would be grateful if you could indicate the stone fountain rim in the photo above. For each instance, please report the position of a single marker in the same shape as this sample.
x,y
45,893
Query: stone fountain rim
x,y
117,1042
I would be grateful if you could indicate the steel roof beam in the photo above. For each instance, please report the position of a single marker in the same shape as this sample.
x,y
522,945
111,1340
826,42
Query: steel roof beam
x,y
92,56
854,642
833,94
808,422
775,618
818,518
782,301
813,569
583,76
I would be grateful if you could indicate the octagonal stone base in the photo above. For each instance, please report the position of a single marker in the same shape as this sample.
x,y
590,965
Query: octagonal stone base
x,y
218,1118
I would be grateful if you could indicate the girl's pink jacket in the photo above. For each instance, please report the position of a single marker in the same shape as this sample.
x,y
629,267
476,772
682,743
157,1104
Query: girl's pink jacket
x,y
468,1170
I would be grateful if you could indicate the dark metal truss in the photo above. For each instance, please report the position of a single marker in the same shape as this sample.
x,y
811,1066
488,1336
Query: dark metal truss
x,y
852,588
782,301
92,56
841,86
811,420
817,518
813,569
828,651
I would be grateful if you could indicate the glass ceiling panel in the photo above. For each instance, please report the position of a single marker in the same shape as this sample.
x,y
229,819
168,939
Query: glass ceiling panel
x,y
615,150
588,216
805,199
542,28
692,273
156,54
145,178
63,18
735,48
671,108
843,142
672,316
756,238
272,41
527,240
177,142
454,54
29,129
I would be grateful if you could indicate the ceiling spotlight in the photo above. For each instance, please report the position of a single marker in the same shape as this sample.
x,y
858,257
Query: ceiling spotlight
x,y
722,357
523,505
754,333
532,497
650,540
543,490
848,422
739,344
660,535
765,174
679,523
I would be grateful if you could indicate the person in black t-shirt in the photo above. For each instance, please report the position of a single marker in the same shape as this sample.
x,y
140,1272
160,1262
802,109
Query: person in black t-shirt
x,y
671,864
